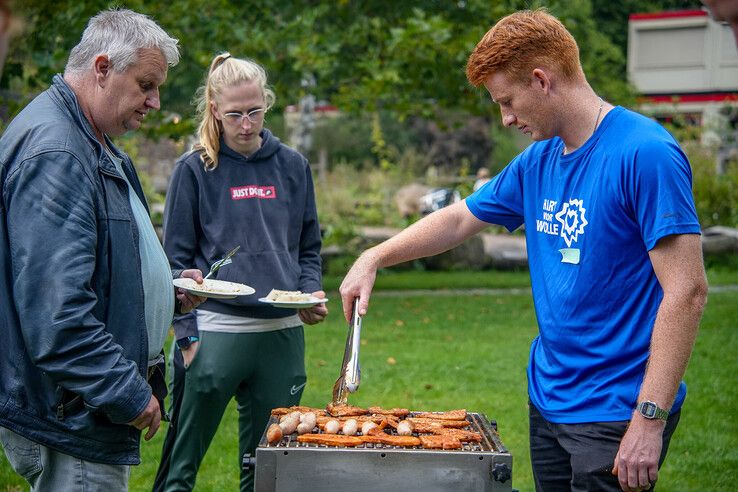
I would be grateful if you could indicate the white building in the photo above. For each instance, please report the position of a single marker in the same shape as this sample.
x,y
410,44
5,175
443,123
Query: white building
x,y
684,63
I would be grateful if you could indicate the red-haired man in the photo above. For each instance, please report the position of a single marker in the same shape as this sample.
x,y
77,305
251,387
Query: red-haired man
x,y
614,254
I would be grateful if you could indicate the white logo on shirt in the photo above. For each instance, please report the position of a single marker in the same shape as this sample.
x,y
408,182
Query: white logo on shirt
x,y
572,220
295,389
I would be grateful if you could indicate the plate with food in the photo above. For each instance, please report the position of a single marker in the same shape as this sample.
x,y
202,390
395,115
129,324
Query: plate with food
x,y
216,289
292,299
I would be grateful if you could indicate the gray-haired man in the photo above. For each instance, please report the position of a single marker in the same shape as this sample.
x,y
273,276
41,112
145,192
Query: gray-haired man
x,y
88,295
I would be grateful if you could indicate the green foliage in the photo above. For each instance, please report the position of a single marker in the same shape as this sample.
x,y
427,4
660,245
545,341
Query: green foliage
x,y
169,125
379,146
405,57
715,195
129,145
346,138
335,268
722,269
507,145
357,197
392,64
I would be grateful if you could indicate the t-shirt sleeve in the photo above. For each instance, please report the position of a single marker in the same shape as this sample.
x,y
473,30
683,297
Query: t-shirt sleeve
x,y
660,192
500,200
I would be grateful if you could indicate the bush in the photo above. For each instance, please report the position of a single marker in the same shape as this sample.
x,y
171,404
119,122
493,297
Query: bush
x,y
715,195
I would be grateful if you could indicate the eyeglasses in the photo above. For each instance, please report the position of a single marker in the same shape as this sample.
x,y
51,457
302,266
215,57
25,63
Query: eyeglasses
x,y
236,118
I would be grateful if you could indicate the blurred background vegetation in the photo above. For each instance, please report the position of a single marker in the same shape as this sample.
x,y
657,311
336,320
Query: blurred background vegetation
x,y
404,113
393,72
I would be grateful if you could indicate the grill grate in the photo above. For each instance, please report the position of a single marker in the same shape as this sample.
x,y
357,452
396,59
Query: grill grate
x,y
477,422
291,465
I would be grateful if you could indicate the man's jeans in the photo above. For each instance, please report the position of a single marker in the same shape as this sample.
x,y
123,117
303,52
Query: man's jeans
x,y
48,470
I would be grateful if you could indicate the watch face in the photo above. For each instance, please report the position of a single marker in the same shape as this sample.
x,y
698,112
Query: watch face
x,y
648,409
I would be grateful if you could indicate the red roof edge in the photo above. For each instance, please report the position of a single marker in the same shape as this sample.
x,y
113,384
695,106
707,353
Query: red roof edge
x,y
667,15
690,98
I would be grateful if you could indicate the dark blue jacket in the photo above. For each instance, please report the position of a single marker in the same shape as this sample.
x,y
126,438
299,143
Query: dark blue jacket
x,y
266,204
73,340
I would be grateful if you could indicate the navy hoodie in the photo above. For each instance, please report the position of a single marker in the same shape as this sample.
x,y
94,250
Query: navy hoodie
x,y
266,204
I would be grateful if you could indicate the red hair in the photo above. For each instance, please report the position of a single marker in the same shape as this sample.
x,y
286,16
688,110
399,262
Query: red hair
x,y
521,42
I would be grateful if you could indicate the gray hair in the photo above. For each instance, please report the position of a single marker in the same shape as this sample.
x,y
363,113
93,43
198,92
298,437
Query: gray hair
x,y
120,33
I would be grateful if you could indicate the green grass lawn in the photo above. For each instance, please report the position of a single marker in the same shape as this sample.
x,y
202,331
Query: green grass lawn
x,y
450,351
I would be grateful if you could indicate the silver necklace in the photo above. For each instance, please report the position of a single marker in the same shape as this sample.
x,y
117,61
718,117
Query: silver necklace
x,y
599,113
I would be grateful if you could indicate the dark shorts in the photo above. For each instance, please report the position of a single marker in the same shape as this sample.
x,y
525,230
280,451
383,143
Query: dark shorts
x,y
579,457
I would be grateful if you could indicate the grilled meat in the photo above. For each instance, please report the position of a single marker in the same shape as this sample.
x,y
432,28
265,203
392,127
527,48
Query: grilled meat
x,y
344,410
330,439
440,442
284,411
444,423
382,438
461,434
459,414
397,412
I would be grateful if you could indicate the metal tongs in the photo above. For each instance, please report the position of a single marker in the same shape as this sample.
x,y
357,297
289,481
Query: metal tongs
x,y
348,381
222,262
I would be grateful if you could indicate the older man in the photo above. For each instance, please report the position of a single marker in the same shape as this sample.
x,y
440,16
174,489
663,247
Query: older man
x,y
88,295
615,259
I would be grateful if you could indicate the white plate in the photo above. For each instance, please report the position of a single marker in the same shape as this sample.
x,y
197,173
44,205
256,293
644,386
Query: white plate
x,y
295,304
216,289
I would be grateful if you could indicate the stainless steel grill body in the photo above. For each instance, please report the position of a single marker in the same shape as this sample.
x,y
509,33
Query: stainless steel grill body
x,y
293,466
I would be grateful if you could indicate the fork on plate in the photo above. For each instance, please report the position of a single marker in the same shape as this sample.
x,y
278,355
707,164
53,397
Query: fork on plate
x,y
226,260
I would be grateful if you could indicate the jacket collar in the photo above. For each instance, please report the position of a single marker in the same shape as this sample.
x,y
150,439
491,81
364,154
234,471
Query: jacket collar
x,y
64,94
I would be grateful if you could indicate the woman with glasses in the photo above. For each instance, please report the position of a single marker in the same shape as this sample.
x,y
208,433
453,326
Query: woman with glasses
x,y
239,186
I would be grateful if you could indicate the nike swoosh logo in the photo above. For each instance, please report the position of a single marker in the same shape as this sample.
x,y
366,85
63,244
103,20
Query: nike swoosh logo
x,y
295,389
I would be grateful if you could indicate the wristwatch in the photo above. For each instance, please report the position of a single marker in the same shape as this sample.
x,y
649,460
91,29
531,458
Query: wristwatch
x,y
184,343
651,411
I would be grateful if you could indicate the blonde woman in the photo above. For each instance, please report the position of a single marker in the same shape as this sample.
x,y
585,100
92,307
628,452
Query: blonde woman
x,y
238,186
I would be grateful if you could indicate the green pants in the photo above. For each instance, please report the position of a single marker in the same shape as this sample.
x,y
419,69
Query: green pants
x,y
261,370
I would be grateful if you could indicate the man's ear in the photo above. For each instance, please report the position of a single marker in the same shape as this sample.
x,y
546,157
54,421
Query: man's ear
x,y
540,80
103,68
214,110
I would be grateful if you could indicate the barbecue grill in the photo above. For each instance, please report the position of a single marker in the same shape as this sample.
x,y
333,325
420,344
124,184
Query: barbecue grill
x,y
290,465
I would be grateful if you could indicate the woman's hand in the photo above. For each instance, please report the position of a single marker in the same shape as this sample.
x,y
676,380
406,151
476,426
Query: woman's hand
x,y
315,314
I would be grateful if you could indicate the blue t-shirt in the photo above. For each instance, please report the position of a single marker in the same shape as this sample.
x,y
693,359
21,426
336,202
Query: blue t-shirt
x,y
591,218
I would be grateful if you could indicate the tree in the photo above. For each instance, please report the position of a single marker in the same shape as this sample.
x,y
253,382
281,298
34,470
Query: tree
x,y
404,57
